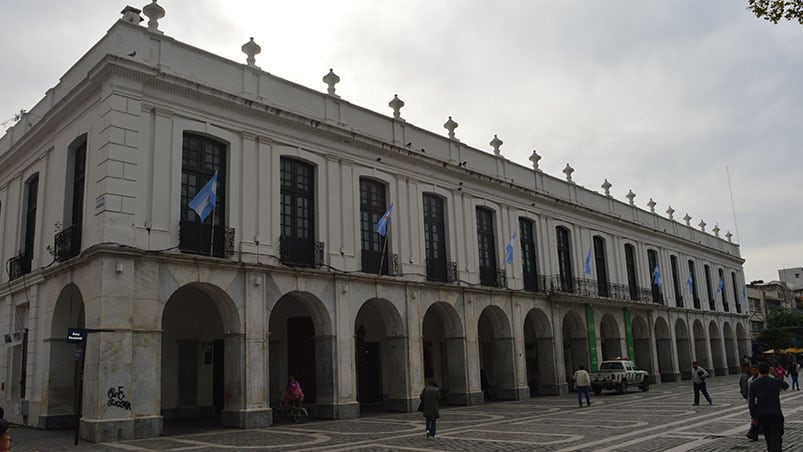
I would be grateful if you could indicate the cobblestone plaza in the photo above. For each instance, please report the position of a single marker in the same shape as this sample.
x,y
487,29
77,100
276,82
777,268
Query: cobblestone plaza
x,y
662,419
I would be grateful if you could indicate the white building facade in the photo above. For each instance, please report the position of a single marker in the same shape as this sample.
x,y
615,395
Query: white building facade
x,y
188,319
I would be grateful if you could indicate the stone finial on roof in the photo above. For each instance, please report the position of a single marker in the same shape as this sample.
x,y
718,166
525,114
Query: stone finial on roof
x,y
630,196
671,212
154,12
607,187
701,225
568,170
716,230
728,235
687,219
251,49
450,125
331,79
131,14
495,143
651,204
535,158
396,104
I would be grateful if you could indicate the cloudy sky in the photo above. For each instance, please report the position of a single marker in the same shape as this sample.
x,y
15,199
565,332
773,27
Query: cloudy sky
x,y
662,97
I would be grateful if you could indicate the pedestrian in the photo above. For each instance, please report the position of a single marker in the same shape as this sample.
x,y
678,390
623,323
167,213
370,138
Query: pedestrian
x,y
430,398
5,435
765,406
794,370
698,376
780,372
744,388
582,383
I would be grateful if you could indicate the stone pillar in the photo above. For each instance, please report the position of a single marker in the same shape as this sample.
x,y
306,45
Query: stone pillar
x,y
505,370
559,386
459,393
395,353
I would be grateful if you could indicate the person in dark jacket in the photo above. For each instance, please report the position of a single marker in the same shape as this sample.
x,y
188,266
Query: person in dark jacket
x,y
431,397
744,389
765,406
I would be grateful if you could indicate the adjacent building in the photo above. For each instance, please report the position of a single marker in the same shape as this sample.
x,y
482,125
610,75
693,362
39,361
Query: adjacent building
x,y
494,278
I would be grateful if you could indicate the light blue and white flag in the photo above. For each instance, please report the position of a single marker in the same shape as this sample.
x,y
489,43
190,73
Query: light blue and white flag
x,y
744,292
656,277
690,283
509,249
382,225
588,262
719,288
204,201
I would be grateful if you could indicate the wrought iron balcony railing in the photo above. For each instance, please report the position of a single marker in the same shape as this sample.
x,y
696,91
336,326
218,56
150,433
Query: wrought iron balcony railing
x,y
19,265
533,282
592,288
372,260
67,243
441,270
197,238
298,252
493,277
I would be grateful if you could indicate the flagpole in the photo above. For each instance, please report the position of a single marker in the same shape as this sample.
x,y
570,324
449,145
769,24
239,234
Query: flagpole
x,y
212,241
384,249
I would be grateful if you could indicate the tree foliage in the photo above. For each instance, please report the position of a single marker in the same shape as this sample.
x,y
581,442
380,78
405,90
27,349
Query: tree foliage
x,y
784,328
775,10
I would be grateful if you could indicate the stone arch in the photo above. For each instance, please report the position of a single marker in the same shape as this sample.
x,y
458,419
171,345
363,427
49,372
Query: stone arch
x,y
745,345
663,348
610,337
380,352
496,354
701,345
683,347
302,345
717,355
202,348
444,352
731,349
642,346
575,344
68,313
540,353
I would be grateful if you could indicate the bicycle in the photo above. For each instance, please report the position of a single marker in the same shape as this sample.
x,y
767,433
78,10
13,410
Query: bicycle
x,y
296,413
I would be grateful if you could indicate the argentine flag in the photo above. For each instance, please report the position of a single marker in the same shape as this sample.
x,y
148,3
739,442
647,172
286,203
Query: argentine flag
x,y
509,249
690,283
204,201
588,262
382,225
656,277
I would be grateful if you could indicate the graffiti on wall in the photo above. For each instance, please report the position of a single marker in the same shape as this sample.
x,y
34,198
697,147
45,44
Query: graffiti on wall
x,y
117,398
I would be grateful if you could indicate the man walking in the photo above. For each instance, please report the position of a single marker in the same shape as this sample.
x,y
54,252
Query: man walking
x,y
698,376
744,388
582,383
765,406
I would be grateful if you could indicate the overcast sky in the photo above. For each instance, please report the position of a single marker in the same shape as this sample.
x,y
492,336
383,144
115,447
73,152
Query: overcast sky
x,y
661,97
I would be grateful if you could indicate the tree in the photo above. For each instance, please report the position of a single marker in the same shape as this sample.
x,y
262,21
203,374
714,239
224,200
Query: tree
x,y
784,328
775,10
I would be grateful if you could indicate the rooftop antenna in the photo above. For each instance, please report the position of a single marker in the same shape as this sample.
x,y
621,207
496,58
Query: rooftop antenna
x,y
733,208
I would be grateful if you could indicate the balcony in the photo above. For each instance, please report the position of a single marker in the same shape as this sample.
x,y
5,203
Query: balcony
x,y
196,238
297,252
492,277
533,282
594,289
18,265
372,260
441,270
67,243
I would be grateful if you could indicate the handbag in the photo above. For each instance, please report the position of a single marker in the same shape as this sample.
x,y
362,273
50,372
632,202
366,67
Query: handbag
x,y
421,406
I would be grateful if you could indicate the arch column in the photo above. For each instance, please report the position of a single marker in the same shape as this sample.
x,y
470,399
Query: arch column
x,y
560,386
459,393
397,351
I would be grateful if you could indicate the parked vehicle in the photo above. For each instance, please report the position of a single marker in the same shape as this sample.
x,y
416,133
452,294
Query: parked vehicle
x,y
619,375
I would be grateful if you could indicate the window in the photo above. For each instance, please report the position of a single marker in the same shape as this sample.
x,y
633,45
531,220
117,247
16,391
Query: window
x,y
722,291
652,260
67,242
630,263
736,293
709,288
201,157
755,304
435,238
528,256
31,195
601,263
298,246
486,244
373,245
564,260
673,261
692,283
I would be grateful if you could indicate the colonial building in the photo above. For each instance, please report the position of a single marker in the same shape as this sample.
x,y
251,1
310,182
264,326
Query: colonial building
x,y
287,275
